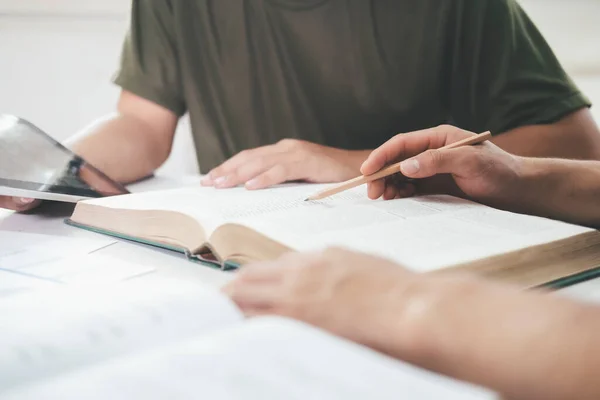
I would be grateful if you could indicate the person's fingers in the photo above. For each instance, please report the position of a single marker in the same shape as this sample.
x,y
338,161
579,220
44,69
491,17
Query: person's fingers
x,y
405,190
375,189
390,192
18,203
275,175
248,171
458,162
215,175
253,311
271,271
7,203
384,155
391,187
253,295
407,145
207,181
397,148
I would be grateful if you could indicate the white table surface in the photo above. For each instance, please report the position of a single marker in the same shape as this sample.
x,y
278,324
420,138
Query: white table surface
x,y
50,221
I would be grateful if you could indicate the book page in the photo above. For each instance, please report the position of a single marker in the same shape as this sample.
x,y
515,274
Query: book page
x,y
51,332
256,360
213,207
422,233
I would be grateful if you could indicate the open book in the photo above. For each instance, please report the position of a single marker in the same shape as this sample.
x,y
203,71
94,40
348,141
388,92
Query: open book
x,y
236,226
171,340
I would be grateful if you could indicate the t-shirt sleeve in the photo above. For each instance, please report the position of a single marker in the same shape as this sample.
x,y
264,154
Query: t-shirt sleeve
x,y
503,74
149,62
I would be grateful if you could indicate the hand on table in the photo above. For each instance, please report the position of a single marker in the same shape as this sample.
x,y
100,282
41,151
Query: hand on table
x,y
288,160
349,294
18,203
483,172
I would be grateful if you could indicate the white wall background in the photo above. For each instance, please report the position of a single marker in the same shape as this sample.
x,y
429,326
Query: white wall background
x,y
56,61
57,57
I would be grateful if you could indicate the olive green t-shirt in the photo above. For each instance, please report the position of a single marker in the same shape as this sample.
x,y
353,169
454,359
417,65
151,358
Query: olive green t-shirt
x,y
343,73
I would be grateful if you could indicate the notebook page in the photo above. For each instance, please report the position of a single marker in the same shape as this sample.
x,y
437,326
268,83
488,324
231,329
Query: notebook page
x,y
45,333
424,233
256,361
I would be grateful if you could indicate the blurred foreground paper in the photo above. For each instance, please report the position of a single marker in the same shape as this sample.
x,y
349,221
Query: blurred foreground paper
x,y
20,251
11,283
89,269
156,339
32,261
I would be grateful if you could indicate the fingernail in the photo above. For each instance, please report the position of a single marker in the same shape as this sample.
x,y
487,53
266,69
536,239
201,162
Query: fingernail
x,y
410,167
252,184
206,181
24,200
221,181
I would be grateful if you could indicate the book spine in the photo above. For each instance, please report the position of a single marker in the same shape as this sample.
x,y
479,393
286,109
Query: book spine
x,y
198,258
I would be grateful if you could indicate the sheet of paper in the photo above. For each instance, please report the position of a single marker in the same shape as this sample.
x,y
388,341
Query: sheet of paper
x,y
89,268
12,283
255,360
48,332
20,251
63,259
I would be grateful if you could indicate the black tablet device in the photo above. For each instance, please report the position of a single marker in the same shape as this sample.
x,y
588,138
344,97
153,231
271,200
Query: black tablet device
x,y
34,165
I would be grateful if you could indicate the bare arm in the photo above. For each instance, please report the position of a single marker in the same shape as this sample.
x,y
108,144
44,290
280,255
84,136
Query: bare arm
x,y
568,190
133,143
524,345
576,137
127,146
521,344
556,188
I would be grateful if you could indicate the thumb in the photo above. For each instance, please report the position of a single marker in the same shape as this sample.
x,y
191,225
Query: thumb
x,y
438,161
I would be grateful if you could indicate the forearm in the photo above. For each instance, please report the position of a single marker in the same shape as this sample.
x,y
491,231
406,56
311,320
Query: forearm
x,y
352,160
357,158
523,345
567,190
123,148
574,137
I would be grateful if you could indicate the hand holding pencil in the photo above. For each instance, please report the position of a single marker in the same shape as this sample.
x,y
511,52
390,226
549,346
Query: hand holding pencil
x,y
462,159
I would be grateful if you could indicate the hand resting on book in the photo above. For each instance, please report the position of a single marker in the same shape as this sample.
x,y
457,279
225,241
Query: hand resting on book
x,y
288,160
